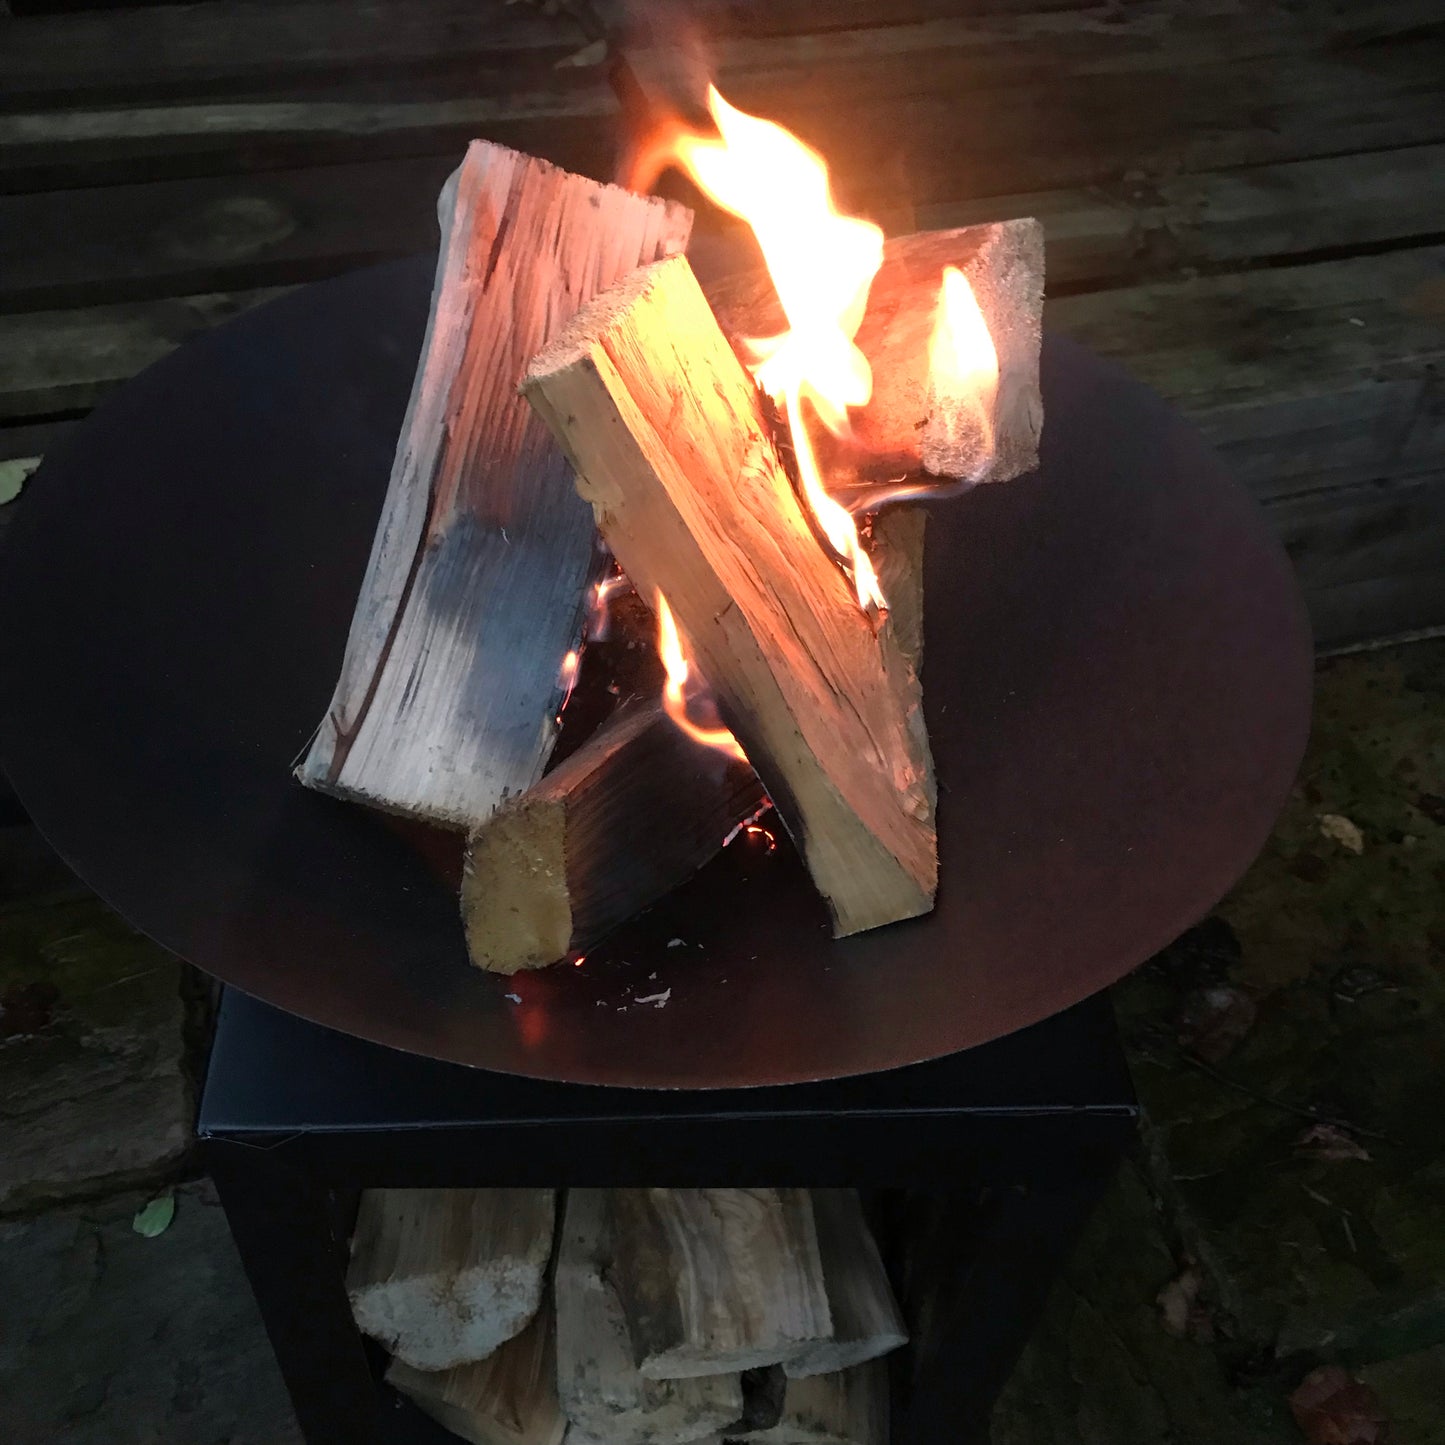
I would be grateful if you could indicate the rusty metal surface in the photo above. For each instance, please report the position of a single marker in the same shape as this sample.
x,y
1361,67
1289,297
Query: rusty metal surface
x,y
1117,678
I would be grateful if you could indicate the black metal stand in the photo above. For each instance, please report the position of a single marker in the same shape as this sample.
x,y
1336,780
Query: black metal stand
x,y
1003,1151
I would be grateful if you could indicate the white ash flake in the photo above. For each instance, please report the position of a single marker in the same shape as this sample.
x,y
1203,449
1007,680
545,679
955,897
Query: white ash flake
x,y
659,1000
677,943
515,997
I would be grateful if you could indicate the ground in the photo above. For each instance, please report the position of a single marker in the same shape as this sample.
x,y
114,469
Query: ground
x,y
1285,1213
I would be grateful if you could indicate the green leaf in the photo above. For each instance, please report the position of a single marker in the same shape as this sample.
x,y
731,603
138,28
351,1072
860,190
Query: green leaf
x,y
156,1217
13,475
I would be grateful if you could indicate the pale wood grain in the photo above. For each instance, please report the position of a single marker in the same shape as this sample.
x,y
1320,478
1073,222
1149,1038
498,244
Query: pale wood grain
x,y
475,590
510,1398
443,1276
664,426
867,1323
602,1391
717,1280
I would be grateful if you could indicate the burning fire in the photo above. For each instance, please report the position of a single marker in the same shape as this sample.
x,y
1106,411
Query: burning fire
x,y
674,691
962,359
822,264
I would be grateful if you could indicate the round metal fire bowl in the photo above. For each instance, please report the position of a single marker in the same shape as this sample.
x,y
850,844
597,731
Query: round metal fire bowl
x,y
1117,674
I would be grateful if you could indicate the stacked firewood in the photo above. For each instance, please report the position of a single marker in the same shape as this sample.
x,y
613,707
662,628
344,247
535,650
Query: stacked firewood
x,y
630,1316
580,398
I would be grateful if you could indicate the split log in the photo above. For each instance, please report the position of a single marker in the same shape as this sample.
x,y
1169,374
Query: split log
x,y
717,1280
665,428
636,810
920,419
633,813
510,1398
867,1323
848,1408
476,586
602,1391
443,1276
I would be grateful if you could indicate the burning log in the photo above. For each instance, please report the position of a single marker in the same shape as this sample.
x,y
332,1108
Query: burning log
x,y
602,1391
633,813
442,1277
636,810
667,434
717,1280
866,1320
955,377
475,591
510,1398
848,1408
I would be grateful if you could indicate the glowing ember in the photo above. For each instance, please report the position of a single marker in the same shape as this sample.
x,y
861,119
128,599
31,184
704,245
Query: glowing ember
x,y
674,692
822,264
599,622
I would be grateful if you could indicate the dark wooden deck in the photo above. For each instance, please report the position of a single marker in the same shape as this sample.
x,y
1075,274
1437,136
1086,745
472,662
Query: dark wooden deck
x,y
1245,199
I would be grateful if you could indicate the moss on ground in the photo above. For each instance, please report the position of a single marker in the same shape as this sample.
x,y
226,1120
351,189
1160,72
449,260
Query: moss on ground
x,y
1290,1059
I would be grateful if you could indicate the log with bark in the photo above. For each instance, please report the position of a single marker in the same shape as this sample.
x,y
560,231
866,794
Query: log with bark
x,y
477,582
672,450
717,1280
442,1277
923,418
867,1323
510,1398
636,810
847,1408
602,1391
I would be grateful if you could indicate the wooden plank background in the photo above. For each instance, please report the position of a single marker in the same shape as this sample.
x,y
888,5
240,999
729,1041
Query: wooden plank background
x,y
1244,199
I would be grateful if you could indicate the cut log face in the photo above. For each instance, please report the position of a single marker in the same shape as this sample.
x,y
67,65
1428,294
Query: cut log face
x,y
629,816
476,586
867,1323
442,1277
510,1398
665,428
717,1280
913,423
848,1408
602,1391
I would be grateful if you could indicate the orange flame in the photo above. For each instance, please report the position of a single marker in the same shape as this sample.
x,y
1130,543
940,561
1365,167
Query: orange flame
x,y
822,264
963,367
674,692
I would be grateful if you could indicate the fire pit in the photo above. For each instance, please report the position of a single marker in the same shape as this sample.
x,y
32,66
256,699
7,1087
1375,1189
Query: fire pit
x,y
1118,675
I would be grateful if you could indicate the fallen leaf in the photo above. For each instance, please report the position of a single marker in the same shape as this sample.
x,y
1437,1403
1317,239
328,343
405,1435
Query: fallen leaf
x,y
1334,1408
13,475
1183,1315
1176,1301
1213,1020
1344,832
1329,1141
156,1217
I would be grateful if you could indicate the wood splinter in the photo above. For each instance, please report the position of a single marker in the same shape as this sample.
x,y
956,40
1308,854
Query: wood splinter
x,y
665,429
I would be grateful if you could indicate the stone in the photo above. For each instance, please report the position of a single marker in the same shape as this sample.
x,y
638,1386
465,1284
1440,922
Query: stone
x,y
94,1087
110,1338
